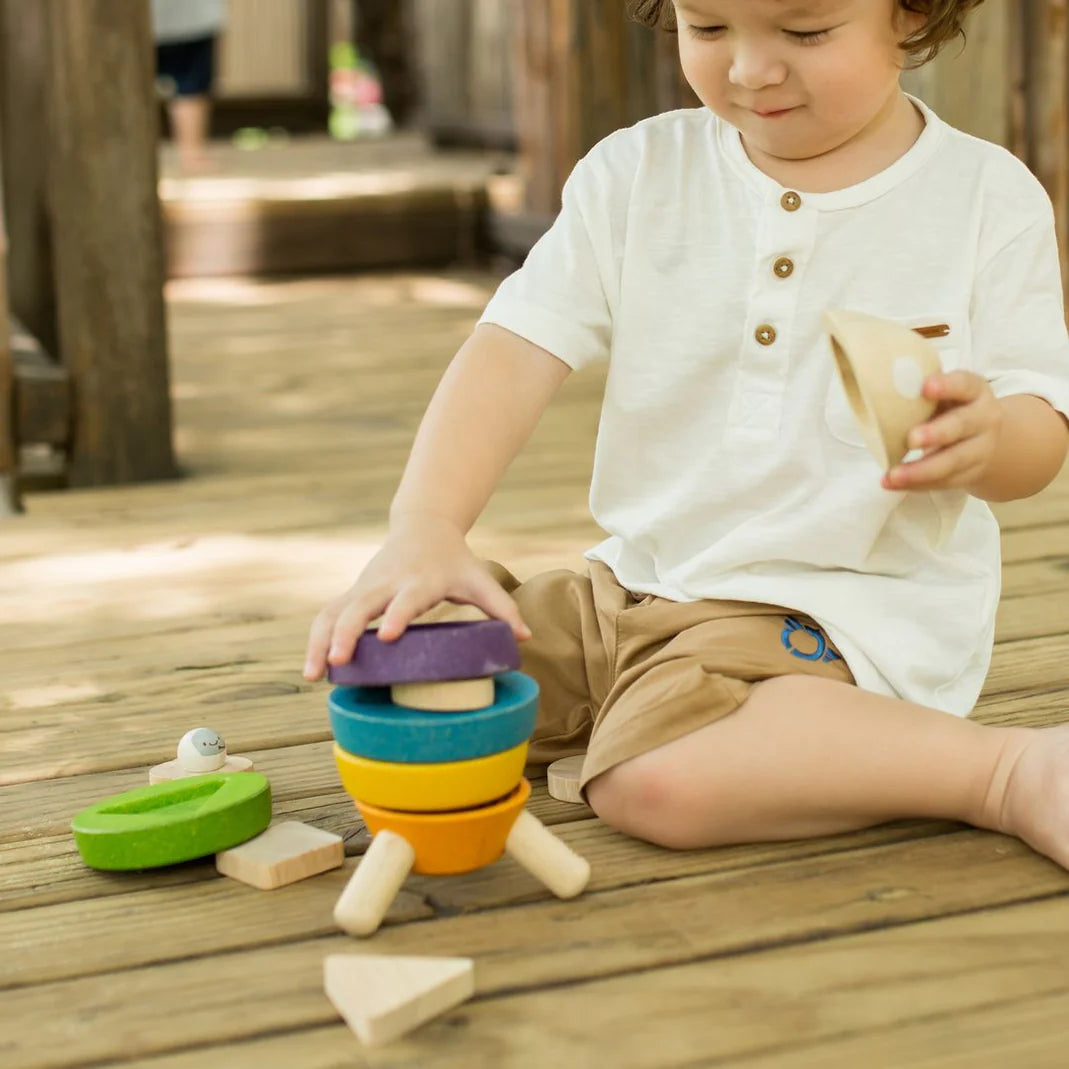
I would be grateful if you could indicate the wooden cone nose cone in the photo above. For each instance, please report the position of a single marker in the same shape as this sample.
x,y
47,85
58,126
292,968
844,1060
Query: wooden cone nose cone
x,y
882,365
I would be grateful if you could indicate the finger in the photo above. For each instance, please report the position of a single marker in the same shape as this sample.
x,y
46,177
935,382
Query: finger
x,y
951,467
315,654
960,386
485,592
351,623
953,425
408,603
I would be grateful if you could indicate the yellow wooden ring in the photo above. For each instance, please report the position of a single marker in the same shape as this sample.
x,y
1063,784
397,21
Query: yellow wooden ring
x,y
431,788
447,844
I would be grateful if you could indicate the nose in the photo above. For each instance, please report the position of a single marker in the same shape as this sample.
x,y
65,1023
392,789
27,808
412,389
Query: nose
x,y
754,67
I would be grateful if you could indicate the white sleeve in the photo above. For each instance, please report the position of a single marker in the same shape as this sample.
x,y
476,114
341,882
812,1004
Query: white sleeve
x,y
563,296
1018,318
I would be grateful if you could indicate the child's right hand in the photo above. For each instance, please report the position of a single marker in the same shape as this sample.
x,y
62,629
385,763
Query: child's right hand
x,y
424,561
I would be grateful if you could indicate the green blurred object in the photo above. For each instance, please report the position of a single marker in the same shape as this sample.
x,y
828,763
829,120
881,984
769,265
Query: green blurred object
x,y
250,138
171,822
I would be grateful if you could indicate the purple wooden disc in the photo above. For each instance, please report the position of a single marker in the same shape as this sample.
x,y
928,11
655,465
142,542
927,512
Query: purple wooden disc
x,y
428,653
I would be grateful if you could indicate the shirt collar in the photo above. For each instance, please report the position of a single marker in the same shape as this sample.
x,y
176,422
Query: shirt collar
x,y
905,166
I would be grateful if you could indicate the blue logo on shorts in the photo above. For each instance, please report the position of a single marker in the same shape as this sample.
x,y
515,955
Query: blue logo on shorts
x,y
793,626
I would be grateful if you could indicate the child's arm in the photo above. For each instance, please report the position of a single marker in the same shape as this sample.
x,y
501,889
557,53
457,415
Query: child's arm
x,y
484,409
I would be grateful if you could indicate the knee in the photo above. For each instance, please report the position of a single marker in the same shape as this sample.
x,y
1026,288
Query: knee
x,y
642,797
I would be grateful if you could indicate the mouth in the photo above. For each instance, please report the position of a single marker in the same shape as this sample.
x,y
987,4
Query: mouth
x,y
773,113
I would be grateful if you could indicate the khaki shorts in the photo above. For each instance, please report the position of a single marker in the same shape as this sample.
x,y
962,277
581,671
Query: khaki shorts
x,y
621,674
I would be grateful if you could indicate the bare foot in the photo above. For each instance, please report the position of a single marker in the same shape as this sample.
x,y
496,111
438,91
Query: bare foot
x,y
1035,799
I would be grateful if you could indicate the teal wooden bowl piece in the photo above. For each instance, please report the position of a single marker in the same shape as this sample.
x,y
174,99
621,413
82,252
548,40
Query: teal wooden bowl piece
x,y
175,821
368,723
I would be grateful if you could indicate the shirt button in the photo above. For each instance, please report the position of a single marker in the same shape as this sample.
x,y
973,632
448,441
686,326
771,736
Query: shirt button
x,y
783,267
790,201
765,334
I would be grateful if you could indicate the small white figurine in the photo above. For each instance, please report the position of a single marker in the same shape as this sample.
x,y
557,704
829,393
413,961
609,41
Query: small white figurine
x,y
201,750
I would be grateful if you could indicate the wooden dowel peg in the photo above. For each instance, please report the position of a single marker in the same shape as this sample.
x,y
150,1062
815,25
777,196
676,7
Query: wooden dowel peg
x,y
449,696
546,858
374,885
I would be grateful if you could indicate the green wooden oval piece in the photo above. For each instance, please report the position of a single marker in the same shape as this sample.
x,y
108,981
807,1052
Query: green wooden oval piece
x,y
174,821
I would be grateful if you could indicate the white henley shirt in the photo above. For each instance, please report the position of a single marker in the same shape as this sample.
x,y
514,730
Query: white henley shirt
x,y
728,463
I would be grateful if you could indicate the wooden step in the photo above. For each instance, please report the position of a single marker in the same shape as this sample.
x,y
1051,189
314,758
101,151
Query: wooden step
x,y
311,204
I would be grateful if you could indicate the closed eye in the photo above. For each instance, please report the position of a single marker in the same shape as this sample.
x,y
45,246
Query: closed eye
x,y
808,37
805,37
705,31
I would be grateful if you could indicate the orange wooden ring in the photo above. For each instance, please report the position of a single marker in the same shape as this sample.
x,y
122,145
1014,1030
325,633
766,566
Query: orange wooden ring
x,y
447,844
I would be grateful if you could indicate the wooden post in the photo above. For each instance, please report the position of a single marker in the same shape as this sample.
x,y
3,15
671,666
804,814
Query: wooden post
x,y
24,150
582,71
9,458
107,239
972,87
384,33
1046,93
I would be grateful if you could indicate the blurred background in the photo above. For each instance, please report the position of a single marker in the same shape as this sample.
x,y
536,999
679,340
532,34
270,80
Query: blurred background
x,y
147,142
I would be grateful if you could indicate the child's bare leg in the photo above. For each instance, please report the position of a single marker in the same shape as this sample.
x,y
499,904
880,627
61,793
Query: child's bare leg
x,y
805,756
190,119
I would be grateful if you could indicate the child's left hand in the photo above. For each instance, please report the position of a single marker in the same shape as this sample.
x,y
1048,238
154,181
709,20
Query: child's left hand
x,y
960,439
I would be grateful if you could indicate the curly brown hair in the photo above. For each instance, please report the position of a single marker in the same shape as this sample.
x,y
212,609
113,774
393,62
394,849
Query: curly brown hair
x,y
943,23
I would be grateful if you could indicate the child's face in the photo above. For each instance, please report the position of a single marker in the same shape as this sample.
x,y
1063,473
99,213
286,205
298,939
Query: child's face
x,y
798,78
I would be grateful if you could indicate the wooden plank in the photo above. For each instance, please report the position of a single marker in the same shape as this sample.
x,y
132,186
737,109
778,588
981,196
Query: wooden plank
x,y
262,50
1031,1031
429,227
303,773
732,917
262,706
108,252
47,869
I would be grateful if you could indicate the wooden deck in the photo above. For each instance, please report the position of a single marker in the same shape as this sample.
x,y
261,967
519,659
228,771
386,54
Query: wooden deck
x,y
129,616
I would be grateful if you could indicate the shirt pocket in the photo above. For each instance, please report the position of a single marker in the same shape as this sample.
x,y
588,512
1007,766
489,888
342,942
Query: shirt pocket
x,y
945,333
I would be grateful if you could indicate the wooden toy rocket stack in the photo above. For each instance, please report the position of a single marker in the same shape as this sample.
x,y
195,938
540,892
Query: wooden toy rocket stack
x,y
435,762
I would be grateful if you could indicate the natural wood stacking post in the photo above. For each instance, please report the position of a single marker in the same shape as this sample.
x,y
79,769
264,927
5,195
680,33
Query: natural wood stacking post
x,y
440,787
375,884
545,857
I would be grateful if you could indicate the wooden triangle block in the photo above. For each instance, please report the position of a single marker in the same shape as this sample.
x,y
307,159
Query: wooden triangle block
x,y
382,997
